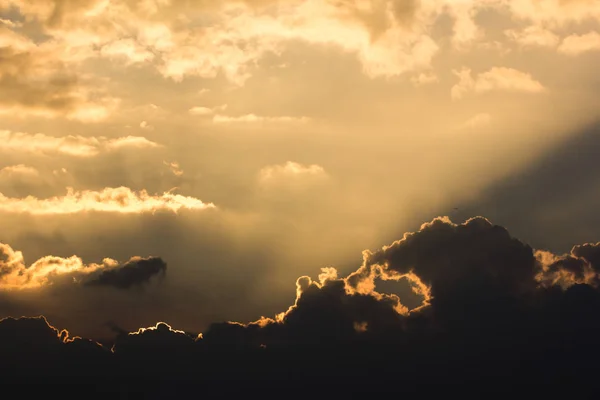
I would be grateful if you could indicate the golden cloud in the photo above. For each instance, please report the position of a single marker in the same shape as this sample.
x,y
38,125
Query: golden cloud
x,y
78,146
574,45
497,78
14,274
114,200
290,170
253,118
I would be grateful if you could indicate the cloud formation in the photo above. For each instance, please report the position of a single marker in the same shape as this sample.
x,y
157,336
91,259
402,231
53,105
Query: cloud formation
x,y
109,200
76,146
483,305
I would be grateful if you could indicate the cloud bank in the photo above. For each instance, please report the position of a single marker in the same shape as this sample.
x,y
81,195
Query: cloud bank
x,y
493,310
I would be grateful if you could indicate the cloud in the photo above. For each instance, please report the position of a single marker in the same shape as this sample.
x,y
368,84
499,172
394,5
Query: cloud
x,y
478,121
424,79
35,81
253,118
202,111
574,45
48,270
241,33
127,50
483,305
134,272
533,36
14,274
20,170
130,142
290,170
174,167
109,200
497,78
146,125
76,146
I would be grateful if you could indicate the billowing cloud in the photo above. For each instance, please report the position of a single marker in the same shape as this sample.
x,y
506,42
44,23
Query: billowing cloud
x,y
497,78
77,146
110,200
483,307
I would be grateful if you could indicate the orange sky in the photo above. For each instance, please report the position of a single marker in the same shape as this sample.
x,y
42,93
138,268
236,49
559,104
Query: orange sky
x,y
247,143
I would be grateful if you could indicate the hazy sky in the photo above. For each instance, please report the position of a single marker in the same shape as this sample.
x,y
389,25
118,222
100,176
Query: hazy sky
x,y
247,143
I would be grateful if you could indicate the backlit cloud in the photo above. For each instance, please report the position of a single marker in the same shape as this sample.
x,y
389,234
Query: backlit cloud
x,y
15,275
111,200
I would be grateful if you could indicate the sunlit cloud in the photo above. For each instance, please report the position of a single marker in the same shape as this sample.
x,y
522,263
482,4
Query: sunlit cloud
x,y
48,270
37,82
14,274
290,170
574,45
130,141
202,111
110,200
497,78
253,118
478,121
424,79
19,170
128,51
78,146
174,167
145,125
533,36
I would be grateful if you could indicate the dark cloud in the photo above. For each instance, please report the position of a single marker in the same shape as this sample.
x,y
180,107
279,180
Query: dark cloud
x,y
491,315
135,272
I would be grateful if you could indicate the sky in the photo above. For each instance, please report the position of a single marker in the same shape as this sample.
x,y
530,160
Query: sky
x,y
187,161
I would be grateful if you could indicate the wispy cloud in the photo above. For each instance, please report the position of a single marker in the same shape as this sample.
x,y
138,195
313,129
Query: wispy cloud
x,y
110,200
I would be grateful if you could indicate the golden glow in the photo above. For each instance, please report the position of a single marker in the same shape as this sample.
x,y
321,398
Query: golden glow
x,y
312,128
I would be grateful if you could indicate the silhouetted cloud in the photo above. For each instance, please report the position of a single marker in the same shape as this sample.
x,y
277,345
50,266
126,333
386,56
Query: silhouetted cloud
x,y
134,272
491,313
